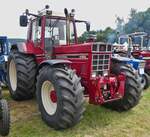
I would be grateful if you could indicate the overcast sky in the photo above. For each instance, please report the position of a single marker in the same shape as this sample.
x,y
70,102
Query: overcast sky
x,y
101,13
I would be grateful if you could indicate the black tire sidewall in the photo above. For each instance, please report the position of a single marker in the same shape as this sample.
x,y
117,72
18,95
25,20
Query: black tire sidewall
x,y
5,125
147,80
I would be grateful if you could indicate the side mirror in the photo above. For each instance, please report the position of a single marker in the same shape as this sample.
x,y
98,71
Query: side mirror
x,y
88,26
23,21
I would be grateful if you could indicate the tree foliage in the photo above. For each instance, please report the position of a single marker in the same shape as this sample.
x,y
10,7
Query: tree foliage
x,y
138,21
108,35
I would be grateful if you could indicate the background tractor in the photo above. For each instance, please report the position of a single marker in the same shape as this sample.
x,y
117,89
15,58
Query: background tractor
x,y
129,44
61,71
141,48
4,52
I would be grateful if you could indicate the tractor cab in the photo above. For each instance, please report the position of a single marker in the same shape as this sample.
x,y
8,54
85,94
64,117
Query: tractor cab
x,y
141,40
137,50
4,45
49,29
138,42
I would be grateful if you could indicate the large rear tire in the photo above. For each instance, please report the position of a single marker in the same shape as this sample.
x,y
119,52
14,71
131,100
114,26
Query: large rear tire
x,y
60,97
132,89
21,73
4,118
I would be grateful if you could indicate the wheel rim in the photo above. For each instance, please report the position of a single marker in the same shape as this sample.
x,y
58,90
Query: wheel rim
x,y
49,98
13,75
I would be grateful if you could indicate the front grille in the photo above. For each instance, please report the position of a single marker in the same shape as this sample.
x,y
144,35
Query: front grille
x,y
99,47
101,58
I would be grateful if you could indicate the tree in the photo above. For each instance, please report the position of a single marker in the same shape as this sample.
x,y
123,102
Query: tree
x,y
138,21
107,35
120,25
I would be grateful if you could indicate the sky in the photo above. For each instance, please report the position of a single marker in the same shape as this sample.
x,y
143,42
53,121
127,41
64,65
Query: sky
x,y
100,13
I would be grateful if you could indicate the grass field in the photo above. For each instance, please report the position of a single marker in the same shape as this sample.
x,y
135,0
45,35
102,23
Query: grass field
x,y
97,121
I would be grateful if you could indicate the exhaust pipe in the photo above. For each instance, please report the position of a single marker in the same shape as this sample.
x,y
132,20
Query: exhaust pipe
x,y
67,26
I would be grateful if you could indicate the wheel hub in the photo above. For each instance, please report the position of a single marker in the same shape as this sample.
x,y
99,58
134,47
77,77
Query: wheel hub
x,y
53,96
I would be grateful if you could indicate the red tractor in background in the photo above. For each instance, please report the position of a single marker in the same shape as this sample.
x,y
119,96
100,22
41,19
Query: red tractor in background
x,y
61,71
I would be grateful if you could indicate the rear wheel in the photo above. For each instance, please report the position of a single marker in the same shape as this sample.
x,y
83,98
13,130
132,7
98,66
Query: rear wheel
x,y
4,118
132,89
21,73
60,97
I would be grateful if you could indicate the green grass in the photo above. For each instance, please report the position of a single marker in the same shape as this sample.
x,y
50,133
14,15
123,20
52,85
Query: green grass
x,y
97,121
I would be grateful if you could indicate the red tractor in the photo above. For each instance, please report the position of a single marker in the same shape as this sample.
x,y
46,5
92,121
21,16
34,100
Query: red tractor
x,y
62,72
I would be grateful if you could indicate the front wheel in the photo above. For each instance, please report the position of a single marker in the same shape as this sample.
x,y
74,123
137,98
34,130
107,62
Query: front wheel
x,y
21,73
132,93
60,97
4,118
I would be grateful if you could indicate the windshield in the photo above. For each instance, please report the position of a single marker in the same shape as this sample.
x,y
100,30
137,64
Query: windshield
x,y
137,41
141,41
81,31
55,32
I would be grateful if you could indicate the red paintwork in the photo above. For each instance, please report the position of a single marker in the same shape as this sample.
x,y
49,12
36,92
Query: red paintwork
x,y
94,87
53,96
144,55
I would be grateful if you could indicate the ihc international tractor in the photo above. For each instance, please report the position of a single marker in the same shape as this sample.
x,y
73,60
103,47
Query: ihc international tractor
x,y
62,71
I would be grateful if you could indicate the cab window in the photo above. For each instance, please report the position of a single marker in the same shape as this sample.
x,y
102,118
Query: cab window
x,y
36,31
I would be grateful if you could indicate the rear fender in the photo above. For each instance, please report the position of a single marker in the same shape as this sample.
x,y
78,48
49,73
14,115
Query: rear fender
x,y
125,60
119,59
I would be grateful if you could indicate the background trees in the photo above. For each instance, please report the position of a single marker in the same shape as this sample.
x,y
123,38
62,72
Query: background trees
x,y
138,21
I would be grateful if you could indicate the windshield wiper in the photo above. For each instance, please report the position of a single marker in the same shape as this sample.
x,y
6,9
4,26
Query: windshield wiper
x,y
53,25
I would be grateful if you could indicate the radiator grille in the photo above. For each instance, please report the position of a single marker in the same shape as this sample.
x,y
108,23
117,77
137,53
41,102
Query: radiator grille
x,y
101,58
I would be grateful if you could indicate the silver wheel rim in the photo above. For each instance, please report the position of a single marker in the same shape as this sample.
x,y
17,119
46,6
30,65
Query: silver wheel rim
x,y
49,106
13,75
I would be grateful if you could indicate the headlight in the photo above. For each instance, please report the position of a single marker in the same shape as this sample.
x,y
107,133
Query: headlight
x,y
93,74
105,73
